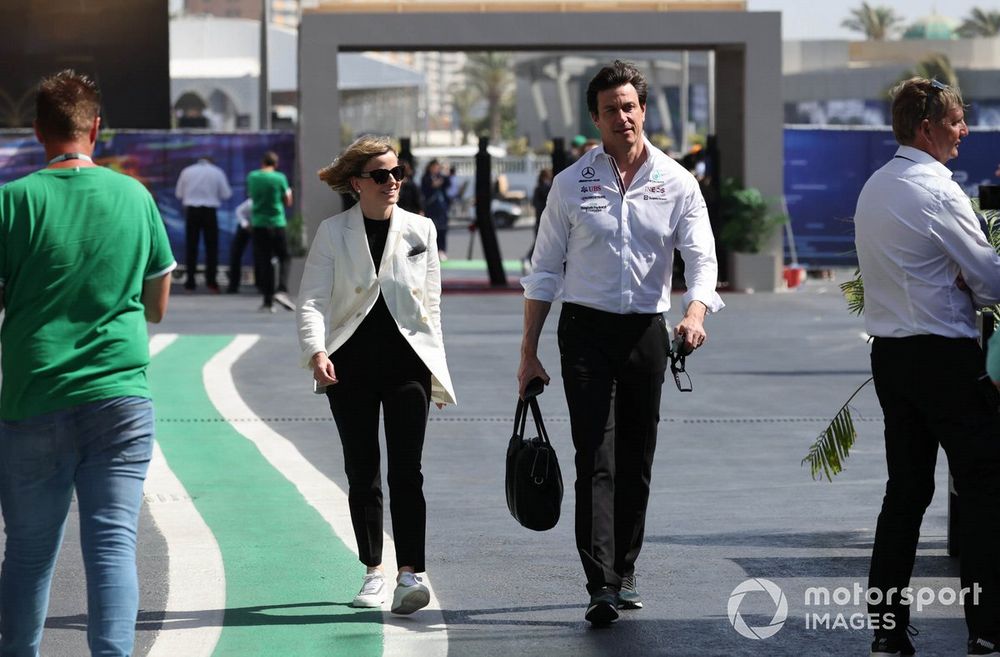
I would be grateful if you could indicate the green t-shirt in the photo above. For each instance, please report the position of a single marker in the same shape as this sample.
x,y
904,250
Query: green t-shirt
x,y
76,246
267,189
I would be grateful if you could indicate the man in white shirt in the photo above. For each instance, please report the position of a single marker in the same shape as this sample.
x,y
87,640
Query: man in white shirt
x,y
201,188
605,245
927,266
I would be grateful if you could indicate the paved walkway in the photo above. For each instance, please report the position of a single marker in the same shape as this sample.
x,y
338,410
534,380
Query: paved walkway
x,y
730,500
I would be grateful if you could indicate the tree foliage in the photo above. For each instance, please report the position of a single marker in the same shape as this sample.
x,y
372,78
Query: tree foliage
x,y
980,23
490,75
876,23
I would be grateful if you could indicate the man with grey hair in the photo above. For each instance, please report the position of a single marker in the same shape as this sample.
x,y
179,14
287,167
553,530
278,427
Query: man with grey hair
x,y
927,266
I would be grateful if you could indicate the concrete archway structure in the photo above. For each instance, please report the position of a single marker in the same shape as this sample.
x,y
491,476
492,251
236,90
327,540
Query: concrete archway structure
x,y
749,107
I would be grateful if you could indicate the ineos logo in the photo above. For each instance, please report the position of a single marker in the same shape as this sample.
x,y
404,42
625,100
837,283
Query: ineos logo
x,y
780,611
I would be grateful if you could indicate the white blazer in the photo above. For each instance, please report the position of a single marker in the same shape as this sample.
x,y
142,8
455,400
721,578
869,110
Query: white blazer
x,y
340,287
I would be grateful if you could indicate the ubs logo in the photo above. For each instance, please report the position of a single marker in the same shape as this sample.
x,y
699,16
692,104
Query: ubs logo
x,y
588,172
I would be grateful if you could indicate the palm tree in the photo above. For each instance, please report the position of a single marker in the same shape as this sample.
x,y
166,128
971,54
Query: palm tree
x,y
980,23
876,23
935,66
463,99
489,73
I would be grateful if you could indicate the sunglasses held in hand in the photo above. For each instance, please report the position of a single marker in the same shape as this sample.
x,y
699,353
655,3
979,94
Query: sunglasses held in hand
x,y
381,176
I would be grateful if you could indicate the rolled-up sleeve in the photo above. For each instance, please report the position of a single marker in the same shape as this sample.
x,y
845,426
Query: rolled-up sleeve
x,y
545,282
957,230
696,243
314,296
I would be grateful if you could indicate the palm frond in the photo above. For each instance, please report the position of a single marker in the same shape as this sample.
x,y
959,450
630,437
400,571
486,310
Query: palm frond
x,y
854,293
827,455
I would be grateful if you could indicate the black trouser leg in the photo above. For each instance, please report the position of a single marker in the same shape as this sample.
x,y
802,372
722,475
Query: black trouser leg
x,y
405,406
279,245
612,370
637,416
210,225
931,392
239,244
355,408
263,269
192,230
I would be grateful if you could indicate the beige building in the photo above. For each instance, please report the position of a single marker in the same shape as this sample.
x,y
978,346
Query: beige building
x,y
283,12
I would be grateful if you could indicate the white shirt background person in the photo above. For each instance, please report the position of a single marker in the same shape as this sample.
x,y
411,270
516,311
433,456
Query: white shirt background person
x,y
201,188
927,266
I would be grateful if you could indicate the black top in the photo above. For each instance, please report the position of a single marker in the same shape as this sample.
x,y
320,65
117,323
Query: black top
x,y
379,320
377,232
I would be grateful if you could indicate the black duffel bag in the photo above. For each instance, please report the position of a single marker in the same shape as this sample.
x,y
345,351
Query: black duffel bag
x,y
533,482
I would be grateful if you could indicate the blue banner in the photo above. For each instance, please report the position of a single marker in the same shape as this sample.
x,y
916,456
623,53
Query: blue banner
x,y
825,170
157,158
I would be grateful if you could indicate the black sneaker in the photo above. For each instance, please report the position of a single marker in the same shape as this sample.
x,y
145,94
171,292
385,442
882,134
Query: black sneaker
x,y
602,609
628,596
980,646
896,644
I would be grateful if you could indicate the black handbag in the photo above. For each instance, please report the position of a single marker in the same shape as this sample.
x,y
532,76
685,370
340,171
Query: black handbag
x,y
533,482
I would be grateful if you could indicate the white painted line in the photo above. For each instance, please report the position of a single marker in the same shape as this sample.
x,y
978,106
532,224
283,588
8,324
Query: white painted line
x,y
196,580
424,633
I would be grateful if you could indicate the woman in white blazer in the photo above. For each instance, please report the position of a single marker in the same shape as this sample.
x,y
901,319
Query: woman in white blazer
x,y
369,323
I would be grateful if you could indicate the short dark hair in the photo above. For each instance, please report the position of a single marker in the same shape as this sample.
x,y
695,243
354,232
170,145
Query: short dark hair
x,y
618,74
270,159
917,99
66,105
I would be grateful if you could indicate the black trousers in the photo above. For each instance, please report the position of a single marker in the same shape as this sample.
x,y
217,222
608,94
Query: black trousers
x,y
613,368
239,244
269,243
378,369
933,390
200,220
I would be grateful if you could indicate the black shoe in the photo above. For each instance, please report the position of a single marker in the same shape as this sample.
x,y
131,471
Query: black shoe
x,y
628,596
232,290
896,644
603,607
981,646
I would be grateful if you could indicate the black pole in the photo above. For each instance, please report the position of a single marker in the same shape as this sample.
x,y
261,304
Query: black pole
x,y
712,193
559,159
488,233
405,152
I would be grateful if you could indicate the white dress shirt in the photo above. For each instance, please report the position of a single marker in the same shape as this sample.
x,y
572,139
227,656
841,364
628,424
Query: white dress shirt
x,y
202,184
611,250
916,233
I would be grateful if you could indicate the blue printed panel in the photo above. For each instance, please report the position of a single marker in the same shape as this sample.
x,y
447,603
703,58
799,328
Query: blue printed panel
x,y
157,158
825,170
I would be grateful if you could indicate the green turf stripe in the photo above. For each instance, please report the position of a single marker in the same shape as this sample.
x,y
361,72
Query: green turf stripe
x,y
288,577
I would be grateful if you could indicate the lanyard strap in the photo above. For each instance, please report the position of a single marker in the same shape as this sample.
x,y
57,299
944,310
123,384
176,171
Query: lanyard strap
x,y
71,156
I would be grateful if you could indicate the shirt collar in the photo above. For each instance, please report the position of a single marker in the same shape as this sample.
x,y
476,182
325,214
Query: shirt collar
x,y
925,158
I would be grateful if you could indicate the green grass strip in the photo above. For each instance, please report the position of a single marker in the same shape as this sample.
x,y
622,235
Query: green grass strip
x,y
289,579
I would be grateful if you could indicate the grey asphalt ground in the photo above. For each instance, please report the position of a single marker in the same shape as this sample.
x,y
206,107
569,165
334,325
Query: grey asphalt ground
x,y
730,500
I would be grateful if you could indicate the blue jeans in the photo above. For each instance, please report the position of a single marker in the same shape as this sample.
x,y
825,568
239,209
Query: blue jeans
x,y
102,450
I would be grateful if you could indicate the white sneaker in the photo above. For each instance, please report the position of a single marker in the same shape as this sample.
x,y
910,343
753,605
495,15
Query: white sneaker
x,y
411,594
372,593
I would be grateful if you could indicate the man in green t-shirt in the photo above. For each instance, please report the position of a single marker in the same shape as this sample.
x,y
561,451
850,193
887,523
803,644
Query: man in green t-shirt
x,y
84,264
268,189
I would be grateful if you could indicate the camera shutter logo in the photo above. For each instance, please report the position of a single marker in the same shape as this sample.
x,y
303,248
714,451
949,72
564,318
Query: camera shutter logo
x,y
780,612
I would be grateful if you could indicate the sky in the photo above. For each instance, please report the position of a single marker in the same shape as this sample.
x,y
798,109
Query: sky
x,y
809,19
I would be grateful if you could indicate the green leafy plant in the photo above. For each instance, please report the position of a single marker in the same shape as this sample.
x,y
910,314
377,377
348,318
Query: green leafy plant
x,y
747,220
831,448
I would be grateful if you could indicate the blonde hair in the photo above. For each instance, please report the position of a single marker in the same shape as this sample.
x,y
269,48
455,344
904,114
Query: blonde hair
x,y
917,99
352,161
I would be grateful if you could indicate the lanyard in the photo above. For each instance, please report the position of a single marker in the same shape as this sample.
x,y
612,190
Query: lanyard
x,y
71,156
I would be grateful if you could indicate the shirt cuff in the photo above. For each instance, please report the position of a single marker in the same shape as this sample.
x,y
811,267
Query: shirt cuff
x,y
542,286
710,298
162,272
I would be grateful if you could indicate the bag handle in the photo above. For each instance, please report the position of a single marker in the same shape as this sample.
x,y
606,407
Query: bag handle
x,y
521,419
